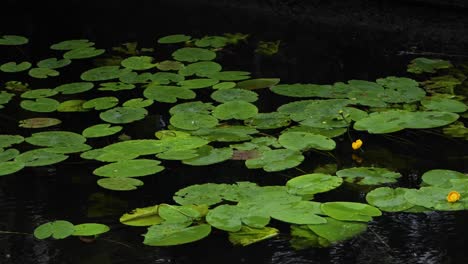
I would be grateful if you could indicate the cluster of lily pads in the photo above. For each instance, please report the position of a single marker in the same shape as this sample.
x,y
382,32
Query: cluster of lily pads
x,y
229,126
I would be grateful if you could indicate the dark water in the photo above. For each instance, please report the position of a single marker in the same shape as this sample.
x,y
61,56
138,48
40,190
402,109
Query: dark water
x,y
311,51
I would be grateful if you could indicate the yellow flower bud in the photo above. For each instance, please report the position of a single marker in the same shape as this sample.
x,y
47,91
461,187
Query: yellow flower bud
x,y
356,144
453,196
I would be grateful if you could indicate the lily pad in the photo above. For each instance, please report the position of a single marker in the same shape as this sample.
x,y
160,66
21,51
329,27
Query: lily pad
x,y
235,110
388,199
198,194
201,68
38,93
229,75
102,73
168,94
42,105
74,88
304,141
53,63
120,184
9,140
226,95
310,184
43,73
175,234
138,63
59,229
123,115
400,90
225,217
260,83
441,178
303,212
169,65
224,85
171,39
197,83
116,86
268,120
276,160
39,122
349,211
138,102
456,130
146,216
72,44
9,167
178,154
83,53
75,105
422,65
40,157
13,40
101,130
226,133
439,103
368,175
191,107
90,229
247,235
101,103
212,41
335,230
13,67
435,198
5,97
193,54
208,155
55,138
193,121
166,78
8,154
129,168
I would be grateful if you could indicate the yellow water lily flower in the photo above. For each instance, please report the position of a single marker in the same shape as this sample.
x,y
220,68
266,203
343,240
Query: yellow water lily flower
x,y
453,196
356,144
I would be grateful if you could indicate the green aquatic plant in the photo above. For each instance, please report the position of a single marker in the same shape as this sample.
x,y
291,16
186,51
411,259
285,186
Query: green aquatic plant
x,y
15,67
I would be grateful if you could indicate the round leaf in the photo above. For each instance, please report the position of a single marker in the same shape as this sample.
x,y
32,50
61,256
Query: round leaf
x,y
310,184
235,110
193,54
123,115
90,229
101,130
304,141
129,168
13,67
349,211
193,121
59,229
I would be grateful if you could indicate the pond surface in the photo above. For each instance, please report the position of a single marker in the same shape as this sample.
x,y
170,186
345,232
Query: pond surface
x,y
313,52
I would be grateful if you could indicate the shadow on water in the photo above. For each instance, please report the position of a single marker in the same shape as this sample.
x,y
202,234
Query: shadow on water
x,y
319,49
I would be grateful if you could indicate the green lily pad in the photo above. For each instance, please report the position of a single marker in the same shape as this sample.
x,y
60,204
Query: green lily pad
x,y
276,160
5,97
13,40
123,115
169,65
201,68
349,211
8,154
422,65
9,167
13,67
191,107
193,54
137,146
101,103
53,63
55,138
229,75
38,93
42,105
441,178
120,184
268,120
193,121
9,140
304,141
439,103
208,155
131,77
197,83
72,44
456,130
168,94
247,235
75,105
146,216
138,102
171,39
116,86
260,83
225,217
388,199
368,175
178,154
436,198
101,130
43,73
138,63
102,73
59,229
309,90
442,84
327,132
224,85
226,133
235,110
90,229
177,214
129,168
400,90
303,212
66,149
40,157
310,184
175,234
335,230
226,95
74,88
166,78
212,41
198,194
395,120
83,53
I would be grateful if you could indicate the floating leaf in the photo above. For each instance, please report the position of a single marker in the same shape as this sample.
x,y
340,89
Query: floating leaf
x,y
83,53
115,86
212,41
335,230
442,84
349,211
40,157
131,77
5,98
137,147
42,105
39,122
229,75
8,154
55,138
193,54
177,214
123,115
53,63
72,106
225,217
42,73
169,65
197,83
309,90
388,199
224,85
72,148
175,234
167,94
255,84
193,121
13,67
101,103
138,102
138,63
59,229
166,78
201,68
178,154
226,95
13,40
435,198
421,65
395,120
191,107
9,167
439,103
303,212
305,141
101,130
247,235
74,88
310,184
208,155
174,39
38,93
90,229
9,140
120,184
368,175
129,168
199,194
442,178
226,133
400,90
72,44
276,160
235,110
456,130
102,73
146,216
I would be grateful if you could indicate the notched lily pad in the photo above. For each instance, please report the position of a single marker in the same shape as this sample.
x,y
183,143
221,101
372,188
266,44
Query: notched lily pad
x,y
39,122
368,175
72,44
42,105
120,184
14,67
276,160
59,229
310,184
123,115
101,130
304,141
235,110
129,168
193,54
193,121
43,73
13,40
